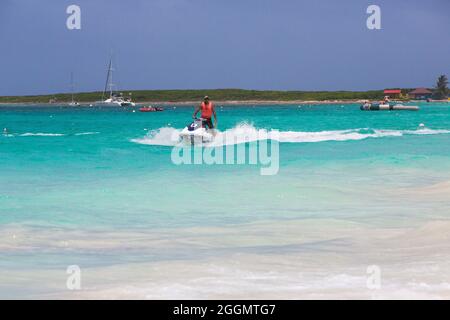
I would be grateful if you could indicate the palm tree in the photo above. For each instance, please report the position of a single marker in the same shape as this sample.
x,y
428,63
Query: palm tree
x,y
441,91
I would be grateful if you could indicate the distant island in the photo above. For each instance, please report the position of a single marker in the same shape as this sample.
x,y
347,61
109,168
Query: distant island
x,y
223,95
440,92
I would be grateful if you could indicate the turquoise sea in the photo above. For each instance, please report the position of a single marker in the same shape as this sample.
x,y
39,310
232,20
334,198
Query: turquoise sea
x,y
96,188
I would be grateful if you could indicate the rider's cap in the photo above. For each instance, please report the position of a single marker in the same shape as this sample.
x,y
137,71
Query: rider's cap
x,y
206,98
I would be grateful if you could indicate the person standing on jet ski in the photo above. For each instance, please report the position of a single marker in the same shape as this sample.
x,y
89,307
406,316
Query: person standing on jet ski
x,y
207,110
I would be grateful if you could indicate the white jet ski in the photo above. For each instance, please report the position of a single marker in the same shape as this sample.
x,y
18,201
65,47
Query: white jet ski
x,y
196,133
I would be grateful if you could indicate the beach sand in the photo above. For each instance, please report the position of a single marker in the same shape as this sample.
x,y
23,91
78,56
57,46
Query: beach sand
x,y
300,259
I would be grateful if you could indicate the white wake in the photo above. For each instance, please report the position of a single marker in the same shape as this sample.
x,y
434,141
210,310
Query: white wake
x,y
243,133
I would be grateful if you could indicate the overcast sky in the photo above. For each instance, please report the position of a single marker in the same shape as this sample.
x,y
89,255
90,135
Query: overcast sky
x,y
251,44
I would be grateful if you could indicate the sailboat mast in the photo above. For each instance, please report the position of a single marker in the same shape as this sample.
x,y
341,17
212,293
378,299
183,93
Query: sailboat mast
x,y
111,84
71,86
108,80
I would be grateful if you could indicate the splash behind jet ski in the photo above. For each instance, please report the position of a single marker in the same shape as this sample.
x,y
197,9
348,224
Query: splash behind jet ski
x,y
196,133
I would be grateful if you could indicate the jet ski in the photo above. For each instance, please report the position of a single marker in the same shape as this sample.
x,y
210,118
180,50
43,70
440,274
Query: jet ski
x,y
196,133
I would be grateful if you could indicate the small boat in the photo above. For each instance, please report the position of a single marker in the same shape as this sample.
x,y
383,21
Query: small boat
x,y
151,109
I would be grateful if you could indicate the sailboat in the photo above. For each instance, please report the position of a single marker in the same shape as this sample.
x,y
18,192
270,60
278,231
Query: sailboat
x,y
114,99
72,102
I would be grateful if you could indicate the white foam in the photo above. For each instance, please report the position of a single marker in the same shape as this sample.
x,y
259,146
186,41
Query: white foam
x,y
426,131
40,134
247,133
86,133
161,137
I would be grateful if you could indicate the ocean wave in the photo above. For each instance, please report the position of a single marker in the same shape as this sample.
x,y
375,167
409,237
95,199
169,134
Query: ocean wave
x,y
86,133
243,133
40,134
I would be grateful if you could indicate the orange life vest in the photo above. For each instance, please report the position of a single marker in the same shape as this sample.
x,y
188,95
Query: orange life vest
x,y
206,110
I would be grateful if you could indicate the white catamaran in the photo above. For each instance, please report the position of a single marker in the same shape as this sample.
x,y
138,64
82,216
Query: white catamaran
x,y
115,99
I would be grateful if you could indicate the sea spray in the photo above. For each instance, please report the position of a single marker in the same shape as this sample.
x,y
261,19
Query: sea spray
x,y
245,133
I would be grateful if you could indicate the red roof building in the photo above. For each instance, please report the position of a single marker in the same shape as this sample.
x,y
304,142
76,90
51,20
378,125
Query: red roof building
x,y
392,93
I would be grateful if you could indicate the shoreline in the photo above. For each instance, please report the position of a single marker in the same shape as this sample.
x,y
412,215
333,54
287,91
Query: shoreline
x,y
217,102
192,102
